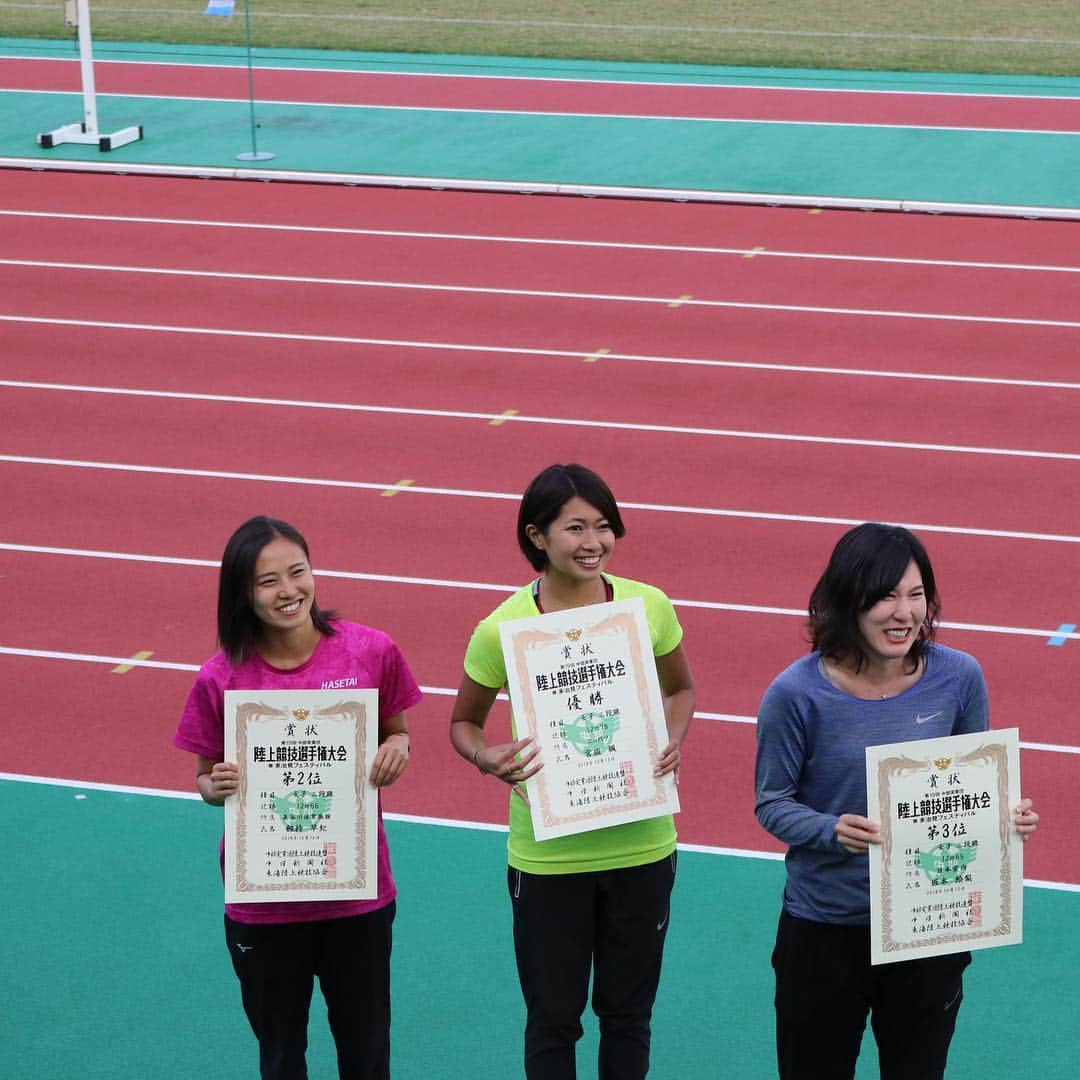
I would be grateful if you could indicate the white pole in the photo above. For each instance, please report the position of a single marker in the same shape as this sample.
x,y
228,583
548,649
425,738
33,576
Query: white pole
x,y
86,132
86,63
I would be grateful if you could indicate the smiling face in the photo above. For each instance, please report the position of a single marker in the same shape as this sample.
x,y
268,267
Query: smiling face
x,y
578,543
282,587
890,627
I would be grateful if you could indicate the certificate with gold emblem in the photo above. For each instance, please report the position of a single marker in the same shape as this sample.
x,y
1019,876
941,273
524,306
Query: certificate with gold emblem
x,y
303,825
583,684
948,874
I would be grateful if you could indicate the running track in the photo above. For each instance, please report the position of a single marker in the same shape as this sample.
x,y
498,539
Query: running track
x,y
986,112
748,379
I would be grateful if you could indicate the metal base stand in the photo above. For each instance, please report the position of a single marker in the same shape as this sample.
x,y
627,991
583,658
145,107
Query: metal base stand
x,y
86,132
77,133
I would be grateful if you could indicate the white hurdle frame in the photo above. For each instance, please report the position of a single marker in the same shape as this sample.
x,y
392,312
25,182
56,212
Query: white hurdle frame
x,y
86,131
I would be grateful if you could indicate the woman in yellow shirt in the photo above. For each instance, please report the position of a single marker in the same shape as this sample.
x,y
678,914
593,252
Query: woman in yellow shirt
x,y
596,900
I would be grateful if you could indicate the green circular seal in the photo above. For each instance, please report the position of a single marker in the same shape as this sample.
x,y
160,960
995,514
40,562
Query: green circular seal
x,y
946,863
301,810
591,733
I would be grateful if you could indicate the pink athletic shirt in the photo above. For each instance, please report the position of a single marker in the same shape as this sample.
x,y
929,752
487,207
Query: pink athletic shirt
x,y
354,657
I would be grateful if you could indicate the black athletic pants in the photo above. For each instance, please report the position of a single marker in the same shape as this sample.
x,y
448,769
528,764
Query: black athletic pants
x,y
614,921
277,965
825,986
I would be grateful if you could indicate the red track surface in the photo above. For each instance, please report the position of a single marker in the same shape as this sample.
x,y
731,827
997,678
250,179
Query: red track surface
x,y
400,90
114,607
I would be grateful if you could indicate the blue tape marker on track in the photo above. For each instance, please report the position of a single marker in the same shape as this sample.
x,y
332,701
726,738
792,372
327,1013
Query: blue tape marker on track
x,y
1064,628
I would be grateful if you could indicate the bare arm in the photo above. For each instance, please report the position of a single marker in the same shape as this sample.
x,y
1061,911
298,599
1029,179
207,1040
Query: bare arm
x,y
392,757
216,779
512,762
855,833
1025,819
677,686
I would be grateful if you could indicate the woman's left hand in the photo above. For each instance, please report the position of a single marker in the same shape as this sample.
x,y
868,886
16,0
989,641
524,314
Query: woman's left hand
x,y
670,757
390,759
1027,821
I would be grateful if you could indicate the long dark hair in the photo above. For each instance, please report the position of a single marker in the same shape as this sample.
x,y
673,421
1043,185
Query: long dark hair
x,y
238,626
549,492
865,566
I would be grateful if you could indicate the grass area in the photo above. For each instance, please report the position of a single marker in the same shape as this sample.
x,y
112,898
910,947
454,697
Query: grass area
x,y
1002,36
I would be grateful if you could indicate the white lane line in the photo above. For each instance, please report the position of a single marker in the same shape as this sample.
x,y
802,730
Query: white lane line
x,y
498,76
540,294
1058,886
552,421
96,785
519,351
91,658
414,819
447,583
1051,748
482,110
421,489
213,564
680,249
434,691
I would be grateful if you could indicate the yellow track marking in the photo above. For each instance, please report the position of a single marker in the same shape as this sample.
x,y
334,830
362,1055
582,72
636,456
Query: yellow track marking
x,y
123,669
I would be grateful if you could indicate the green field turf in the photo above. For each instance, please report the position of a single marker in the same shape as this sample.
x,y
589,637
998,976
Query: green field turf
x,y
1039,37
117,969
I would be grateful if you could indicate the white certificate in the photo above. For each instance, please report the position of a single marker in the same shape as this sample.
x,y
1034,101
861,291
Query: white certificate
x,y
583,684
948,874
304,824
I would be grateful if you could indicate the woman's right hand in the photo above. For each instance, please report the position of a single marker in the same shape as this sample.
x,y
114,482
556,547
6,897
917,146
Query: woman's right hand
x,y
513,763
219,781
855,833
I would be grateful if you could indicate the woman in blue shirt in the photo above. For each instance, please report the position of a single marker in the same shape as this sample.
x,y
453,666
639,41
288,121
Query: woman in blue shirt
x,y
875,676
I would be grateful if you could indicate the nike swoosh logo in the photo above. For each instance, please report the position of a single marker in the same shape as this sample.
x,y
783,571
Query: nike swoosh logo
x,y
245,948
920,719
661,925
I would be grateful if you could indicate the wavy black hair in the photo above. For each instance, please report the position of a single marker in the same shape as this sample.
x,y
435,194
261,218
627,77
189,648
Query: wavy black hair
x,y
549,492
865,566
239,628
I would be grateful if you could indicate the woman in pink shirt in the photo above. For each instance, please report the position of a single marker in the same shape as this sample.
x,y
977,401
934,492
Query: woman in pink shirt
x,y
274,636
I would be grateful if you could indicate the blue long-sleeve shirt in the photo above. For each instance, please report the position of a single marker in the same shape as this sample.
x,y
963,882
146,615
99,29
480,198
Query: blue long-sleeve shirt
x,y
811,767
